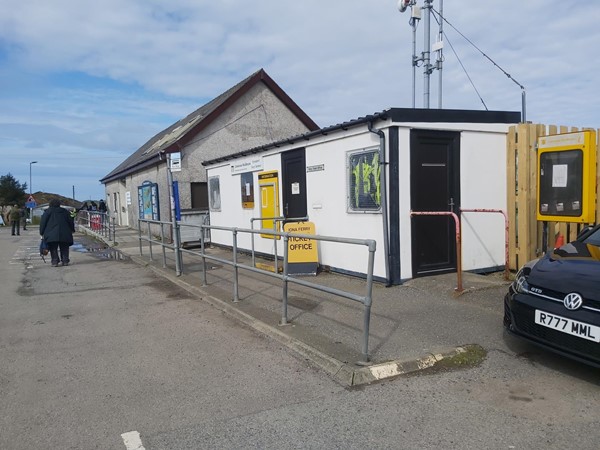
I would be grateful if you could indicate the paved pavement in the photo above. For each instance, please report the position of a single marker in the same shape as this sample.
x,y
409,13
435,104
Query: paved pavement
x,y
412,326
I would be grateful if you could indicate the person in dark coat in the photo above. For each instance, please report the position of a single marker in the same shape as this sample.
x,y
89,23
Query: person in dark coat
x,y
57,228
15,220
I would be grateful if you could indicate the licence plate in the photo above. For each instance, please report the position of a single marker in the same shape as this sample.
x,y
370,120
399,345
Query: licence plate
x,y
569,326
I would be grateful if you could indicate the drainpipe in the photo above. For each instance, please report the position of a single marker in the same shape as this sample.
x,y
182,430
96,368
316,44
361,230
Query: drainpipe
x,y
383,181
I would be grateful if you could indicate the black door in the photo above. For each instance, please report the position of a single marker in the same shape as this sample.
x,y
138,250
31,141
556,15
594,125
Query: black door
x,y
435,186
293,168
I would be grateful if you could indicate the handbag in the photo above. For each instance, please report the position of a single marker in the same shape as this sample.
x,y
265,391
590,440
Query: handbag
x,y
43,248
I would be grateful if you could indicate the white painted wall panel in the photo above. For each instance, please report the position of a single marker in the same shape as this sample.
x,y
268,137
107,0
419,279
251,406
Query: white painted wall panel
x,y
483,185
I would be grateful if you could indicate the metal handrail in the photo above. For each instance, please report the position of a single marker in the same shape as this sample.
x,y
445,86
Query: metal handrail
x,y
365,299
459,287
98,223
506,234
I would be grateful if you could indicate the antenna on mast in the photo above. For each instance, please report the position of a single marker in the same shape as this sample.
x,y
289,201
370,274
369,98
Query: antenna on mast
x,y
425,58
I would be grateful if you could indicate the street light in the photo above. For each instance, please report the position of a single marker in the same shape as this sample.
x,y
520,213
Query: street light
x,y
30,209
32,162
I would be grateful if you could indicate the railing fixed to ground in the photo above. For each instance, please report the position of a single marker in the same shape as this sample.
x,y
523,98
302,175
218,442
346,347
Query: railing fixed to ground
x,y
98,223
458,237
275,220
366,300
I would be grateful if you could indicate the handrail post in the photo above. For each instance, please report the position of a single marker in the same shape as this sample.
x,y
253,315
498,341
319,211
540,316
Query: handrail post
x,y
275,253
150,241
252,234
459,287
176,247
202,249
236,296
284,302
162,240
179,252
140,235
367,303
506,235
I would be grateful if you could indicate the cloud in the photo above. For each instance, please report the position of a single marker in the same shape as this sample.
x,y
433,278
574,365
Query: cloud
x,y
100,78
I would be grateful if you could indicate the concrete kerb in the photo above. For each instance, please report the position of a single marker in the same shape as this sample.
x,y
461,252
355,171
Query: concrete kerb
x,y
342,372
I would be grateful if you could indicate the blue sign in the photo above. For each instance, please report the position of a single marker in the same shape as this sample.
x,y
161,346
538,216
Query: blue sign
x,y
30,204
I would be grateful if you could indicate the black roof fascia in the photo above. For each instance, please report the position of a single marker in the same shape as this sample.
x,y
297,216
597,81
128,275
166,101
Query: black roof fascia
x,y
396,115
305,136
453,116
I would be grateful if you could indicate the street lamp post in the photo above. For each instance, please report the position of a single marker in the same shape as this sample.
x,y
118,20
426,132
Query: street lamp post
x,y
30,190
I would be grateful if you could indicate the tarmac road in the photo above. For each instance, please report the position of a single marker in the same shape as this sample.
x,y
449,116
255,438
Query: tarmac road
x,y
105,347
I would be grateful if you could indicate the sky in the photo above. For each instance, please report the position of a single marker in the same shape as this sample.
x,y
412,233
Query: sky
x,y
85,83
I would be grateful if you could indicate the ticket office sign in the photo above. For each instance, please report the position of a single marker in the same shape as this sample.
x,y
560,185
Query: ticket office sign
x,y
303,254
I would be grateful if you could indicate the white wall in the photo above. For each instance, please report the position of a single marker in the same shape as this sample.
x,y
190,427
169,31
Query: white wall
x,y
483,185
326,204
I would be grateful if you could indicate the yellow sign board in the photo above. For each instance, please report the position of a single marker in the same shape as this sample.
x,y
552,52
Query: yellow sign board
x,y
303,254
566,178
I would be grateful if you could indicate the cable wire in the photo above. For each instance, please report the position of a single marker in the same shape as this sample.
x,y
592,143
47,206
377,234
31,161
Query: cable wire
x,y
462,65
478,49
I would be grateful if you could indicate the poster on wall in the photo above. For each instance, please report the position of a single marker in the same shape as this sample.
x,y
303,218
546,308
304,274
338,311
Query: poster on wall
x,y
148,201
247,187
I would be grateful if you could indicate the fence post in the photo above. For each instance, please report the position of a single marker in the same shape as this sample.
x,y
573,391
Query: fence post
x,y
140,236
150,242
284,302
236,297
162,240
368,303
202,250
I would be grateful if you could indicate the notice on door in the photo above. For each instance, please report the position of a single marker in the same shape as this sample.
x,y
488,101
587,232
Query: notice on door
x,y
303,255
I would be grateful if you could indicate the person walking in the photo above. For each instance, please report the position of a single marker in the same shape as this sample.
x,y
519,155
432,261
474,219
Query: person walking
x,y
15,220
24,214
57,228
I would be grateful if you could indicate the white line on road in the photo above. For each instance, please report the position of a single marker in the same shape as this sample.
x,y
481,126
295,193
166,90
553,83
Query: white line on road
x,y
132,440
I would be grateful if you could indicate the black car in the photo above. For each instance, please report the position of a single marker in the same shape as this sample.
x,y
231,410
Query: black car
x,y
554,301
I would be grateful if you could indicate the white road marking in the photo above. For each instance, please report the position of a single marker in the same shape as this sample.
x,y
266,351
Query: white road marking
x,y
132,440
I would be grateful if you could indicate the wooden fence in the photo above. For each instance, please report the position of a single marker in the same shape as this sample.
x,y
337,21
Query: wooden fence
x,y
525,232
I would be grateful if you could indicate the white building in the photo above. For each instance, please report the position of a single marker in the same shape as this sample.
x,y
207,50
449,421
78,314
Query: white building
x,y
363,178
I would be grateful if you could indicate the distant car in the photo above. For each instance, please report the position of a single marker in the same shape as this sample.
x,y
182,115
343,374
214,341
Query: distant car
x,y
554,301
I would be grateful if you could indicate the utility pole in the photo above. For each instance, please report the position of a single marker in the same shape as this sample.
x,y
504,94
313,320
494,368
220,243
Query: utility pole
x,y
30,192
425,58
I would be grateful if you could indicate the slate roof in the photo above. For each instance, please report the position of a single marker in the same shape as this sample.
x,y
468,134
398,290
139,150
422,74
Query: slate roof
x,y
177,135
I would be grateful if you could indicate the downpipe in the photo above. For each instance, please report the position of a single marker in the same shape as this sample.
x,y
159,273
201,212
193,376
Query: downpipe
x,y
384,206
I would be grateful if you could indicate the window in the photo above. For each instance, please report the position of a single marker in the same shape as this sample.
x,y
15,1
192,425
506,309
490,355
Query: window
x,y
199,195
214,191
364,182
